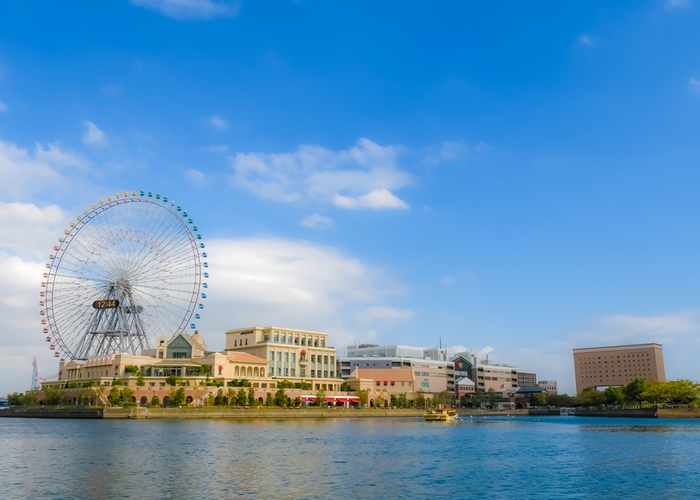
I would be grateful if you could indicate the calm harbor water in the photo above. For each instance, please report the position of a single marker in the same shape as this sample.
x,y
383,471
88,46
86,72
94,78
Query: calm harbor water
x,y
552,457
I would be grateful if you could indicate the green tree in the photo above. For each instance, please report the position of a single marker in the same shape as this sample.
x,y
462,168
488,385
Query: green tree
x,y
219,398
177,397
634,391
345,387
321,397
241,397
155,401
89,383
127,394
393,400
614,396
171,380
84,398
285,384
232,397
140,381
114,397
211,399
297,402
363,396
401,401
268,399
591,396
379,402
131,369
561,400
281,398
420,400
251,396
492,397
15,399
682,391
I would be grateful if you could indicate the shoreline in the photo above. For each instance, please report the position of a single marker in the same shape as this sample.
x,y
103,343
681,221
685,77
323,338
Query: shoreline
x,y
226,413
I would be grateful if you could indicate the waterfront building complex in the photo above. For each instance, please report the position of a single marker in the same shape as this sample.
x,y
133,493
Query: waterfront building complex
x,y
618,365
496,378
431,372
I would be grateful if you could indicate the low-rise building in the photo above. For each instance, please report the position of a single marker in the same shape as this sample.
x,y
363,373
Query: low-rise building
x,y
496,378
550,386
527,379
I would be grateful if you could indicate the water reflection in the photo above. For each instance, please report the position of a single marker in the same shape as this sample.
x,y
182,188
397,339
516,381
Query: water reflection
x,y
562,457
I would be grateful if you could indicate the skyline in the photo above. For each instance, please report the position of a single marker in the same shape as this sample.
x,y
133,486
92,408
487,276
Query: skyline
x,y
518,182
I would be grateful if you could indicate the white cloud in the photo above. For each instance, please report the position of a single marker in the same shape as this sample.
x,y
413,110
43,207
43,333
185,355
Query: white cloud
x,y
23,173
678,4
3,107
384,313
585,40
30,229
316,221
377,200
196,177
267,281
94,136
359,177
191,9
650,326
217,122
54,155
482,353
694,85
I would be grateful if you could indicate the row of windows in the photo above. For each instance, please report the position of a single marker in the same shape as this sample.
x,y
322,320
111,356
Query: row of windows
x,y
393,383
295,340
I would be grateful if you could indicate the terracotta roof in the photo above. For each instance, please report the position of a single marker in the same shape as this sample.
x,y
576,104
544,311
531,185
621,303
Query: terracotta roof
x,y
383,374
243,357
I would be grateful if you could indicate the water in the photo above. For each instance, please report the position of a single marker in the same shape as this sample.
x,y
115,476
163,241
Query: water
x,y
550,457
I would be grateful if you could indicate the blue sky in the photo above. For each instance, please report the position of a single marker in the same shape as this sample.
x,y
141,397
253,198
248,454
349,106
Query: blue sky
x,y
514,178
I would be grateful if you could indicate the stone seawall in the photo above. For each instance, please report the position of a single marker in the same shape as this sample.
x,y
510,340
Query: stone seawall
x,y
625,413
251,413
52,413
679,413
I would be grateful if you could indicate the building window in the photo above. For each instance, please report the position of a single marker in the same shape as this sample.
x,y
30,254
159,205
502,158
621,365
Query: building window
x,y
286,372
294,357
313,358
246,341
279,371
378,382
235,343
272,355
332,374
313,373
296,340
315,343
325,373
275,339
293,372
302,372
303,341
271,372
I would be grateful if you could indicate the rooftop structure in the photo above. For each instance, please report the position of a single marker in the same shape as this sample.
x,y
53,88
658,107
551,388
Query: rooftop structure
x,y
396,351
618,365
527,379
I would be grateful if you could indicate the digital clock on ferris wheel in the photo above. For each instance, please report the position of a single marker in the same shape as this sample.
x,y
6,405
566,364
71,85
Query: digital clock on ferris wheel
x,y
105,304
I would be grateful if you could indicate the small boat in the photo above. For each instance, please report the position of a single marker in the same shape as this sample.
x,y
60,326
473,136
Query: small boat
x,y
440,414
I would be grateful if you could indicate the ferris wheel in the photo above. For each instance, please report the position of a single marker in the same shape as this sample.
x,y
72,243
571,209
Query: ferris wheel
x,y
126,272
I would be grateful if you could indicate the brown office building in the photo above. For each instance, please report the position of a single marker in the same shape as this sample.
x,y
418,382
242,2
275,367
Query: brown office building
x,y
618,365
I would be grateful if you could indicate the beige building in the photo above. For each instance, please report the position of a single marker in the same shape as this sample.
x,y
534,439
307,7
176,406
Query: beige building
x,y
618,365
294,355
500,378
395,381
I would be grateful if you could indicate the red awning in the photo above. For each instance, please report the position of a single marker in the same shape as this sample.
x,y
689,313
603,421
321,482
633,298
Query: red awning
x,y
308,398
343,400
330,400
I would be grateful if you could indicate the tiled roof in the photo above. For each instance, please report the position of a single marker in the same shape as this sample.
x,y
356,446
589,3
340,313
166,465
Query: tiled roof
x,y
244,357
